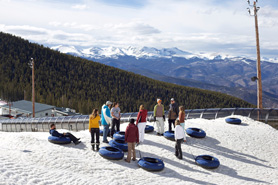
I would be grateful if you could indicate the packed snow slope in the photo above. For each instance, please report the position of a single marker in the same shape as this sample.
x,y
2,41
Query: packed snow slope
x,y
247,153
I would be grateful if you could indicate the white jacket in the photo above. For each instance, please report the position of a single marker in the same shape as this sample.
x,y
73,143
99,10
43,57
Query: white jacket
x,y
179,132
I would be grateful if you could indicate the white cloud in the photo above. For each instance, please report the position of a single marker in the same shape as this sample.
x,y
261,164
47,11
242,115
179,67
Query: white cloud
x,y
190,25
80,6
136,28
268,17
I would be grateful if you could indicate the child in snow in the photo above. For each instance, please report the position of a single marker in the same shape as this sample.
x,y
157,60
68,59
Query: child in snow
x,y
179,137
131,138
55,133
94,128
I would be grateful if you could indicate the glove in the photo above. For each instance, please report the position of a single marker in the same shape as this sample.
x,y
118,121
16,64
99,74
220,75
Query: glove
x,y
154,118
163,117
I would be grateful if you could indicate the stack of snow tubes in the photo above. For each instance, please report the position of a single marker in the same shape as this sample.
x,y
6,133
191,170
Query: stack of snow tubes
x,y
207,161
101,132
196,132
169,135
119,143
149,128
111,153
151,164
119,135
233,121
59,140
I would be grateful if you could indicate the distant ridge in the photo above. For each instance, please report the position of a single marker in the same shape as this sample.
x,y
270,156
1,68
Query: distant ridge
x,y
146,52
215,71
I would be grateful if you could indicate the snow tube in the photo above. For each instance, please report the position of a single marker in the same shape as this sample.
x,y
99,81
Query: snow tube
x,y
118,143
59,140
233,120
149,128
119,135
101,132
207,161
196,132
151,164
169,135
111,153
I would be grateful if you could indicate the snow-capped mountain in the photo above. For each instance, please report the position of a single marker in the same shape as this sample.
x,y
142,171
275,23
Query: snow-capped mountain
x,y
142,52
212,71
68,50
145,52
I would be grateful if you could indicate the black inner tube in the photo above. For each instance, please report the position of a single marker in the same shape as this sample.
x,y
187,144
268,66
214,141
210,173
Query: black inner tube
x,y
209,158
151,160
122,133
196,129
120,141
112,149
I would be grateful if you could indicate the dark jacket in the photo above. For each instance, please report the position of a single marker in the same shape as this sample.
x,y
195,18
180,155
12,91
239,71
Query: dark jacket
x,y
131,133
173,111
143,114
55,133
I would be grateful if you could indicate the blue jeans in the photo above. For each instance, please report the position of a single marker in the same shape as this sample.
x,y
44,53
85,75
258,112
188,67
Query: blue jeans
x,y
105,132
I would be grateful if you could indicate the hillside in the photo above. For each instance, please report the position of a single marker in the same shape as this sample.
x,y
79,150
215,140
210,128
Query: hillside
x,y
246,157
68,81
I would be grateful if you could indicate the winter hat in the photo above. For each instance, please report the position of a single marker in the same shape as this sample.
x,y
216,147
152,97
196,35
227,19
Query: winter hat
x,y
109,103
159,100
172,99
132,120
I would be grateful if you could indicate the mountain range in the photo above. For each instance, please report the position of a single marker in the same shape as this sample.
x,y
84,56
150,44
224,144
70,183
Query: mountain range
x,y
217,72
63,80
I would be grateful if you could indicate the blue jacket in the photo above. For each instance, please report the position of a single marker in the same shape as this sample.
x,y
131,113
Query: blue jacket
x,y
105,110
55,133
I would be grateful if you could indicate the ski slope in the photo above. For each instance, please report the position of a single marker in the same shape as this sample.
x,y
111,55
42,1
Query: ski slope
x,y
247,153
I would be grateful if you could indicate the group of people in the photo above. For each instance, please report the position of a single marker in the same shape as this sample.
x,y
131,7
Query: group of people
x,y
174,113
135,131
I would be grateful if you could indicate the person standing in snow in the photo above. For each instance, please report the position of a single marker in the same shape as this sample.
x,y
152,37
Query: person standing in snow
x,y
94,128
159,117
116,116
173,114
182,117
106,119
55,133
141,122
179,137
131,138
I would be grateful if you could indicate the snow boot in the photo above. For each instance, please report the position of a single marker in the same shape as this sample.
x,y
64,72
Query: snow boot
x,y
97,146
93,146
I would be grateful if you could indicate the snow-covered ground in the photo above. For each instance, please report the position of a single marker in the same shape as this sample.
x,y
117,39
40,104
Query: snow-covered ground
x,y
247,153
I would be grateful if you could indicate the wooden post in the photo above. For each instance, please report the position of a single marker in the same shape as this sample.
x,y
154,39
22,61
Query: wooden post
x,y
259,82
259,75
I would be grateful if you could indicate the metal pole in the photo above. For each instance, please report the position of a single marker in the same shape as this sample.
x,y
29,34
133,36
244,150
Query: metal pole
x,y
33,86
259,82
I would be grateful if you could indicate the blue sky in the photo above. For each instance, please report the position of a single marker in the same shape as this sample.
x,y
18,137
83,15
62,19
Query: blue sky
x,y
196,26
